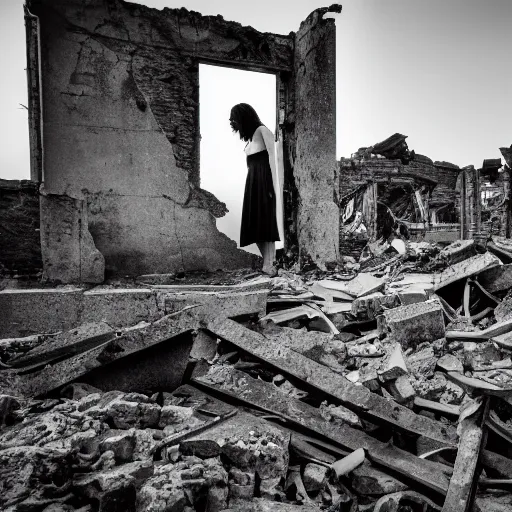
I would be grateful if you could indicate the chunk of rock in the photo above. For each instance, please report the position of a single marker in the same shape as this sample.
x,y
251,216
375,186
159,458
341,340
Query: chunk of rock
x,y
452,394
413,324
333,412
402,390
173,487
78,390
369,481
432,388
174,414
115,486
127,411
122,446
315,477
450,363
26,470
422,363
393,365
503,310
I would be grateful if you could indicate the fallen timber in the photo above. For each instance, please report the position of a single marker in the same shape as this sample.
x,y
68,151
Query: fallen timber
x,y
358,398
261,395
462,489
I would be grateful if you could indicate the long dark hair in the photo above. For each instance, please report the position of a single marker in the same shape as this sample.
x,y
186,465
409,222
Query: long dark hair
x,y
247,120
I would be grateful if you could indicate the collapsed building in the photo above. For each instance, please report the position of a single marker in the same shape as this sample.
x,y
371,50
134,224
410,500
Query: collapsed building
x,y
372,374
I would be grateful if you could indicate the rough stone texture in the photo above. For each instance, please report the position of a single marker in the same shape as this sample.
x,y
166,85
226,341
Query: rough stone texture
x,y
120,91
49,310
37,311
25,469
20,246
371,482
314,166
68,250
315,477
175,487
215,305
413,324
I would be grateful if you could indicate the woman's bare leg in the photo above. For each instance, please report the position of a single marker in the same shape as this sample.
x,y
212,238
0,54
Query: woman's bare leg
x,y
268,252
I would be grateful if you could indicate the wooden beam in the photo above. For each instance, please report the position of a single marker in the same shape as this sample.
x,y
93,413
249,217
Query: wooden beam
x,y
314,375
267,397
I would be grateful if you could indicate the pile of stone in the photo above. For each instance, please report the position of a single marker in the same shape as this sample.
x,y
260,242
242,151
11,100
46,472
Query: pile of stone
x,y
368,391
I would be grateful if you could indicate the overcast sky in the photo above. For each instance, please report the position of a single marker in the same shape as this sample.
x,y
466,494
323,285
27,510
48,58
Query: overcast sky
x,y
437,71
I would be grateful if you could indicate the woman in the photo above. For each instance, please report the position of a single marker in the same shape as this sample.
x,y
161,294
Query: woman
x,y
259,222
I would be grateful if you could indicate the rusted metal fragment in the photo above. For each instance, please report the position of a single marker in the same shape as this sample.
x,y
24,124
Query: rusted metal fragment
x,y
461,492
376,408
131,342
262,395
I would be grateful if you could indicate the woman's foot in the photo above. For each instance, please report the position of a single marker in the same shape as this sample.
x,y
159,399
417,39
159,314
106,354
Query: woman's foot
x,y
270,270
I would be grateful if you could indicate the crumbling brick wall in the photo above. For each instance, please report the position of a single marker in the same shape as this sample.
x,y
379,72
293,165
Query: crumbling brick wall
x,y
20,247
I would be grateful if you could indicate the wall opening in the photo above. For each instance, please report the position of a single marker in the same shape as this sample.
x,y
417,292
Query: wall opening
x,y
223,167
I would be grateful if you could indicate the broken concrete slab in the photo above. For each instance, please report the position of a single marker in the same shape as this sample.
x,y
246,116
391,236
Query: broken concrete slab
x,y
413,324
131,342
38,311
65,344
216,305
449,363
67,247
374,304
496,279
465,269
260,394
458,251
119,307
357,398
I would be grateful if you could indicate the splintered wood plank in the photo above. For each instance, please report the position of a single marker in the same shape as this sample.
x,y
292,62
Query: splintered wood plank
x,y
357,398
463,482
266,396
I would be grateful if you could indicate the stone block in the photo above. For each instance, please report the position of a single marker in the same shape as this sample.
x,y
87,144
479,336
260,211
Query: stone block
x,y
119,307
413,324
38,311
449,363
369,481
393,365
67,247
422,363
204,347
216,304
315,477
402,390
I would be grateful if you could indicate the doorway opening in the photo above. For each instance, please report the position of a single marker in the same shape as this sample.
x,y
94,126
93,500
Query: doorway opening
x,y
223,167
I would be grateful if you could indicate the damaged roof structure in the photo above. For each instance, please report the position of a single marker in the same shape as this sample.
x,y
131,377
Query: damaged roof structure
x,y
372,374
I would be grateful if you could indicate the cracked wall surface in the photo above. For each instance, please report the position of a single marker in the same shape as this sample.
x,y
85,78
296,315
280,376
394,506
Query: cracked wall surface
x,y
120,89
20,247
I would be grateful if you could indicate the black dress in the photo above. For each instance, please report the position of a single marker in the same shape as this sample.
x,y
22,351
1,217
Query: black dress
x,y
259,223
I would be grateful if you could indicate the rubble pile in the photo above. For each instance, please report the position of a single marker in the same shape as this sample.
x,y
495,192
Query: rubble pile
x,y
356,390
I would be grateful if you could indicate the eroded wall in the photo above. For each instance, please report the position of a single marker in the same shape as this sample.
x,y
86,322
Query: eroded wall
x,y
120,90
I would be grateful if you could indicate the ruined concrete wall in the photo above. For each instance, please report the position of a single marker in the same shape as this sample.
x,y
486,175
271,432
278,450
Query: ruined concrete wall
x,y
20,247
314,151
120,88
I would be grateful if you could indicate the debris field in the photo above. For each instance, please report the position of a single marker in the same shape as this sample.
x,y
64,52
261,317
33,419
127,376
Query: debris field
x,y
375,389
